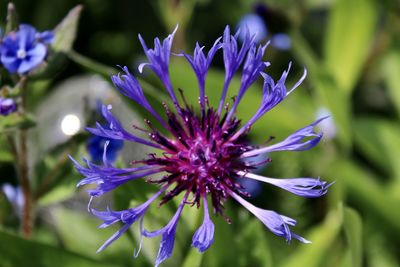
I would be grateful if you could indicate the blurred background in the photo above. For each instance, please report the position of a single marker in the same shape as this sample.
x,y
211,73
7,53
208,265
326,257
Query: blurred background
x,y
351,50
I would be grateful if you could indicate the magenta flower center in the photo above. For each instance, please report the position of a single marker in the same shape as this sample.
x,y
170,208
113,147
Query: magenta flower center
x,y
203,157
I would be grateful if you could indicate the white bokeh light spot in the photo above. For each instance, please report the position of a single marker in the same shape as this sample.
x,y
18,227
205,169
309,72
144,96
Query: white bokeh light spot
x,y
70,124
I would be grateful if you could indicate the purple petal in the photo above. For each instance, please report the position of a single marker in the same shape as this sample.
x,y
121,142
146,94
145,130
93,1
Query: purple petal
x,y
273,94
26,36
115,130
233,58
168,235
107,177
34,58
252,67
129,86
200,64
159,58
46,37
276,223
204,236
127,217
304,187
294,142
114,237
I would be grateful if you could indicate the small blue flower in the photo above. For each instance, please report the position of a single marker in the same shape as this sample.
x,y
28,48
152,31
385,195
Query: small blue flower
x,y
95,147
25,49
7,106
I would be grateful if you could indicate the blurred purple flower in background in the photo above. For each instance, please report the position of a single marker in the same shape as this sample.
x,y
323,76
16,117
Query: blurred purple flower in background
x,y
255,25
328,126
25,49
14,196
7,106
205,152
281,41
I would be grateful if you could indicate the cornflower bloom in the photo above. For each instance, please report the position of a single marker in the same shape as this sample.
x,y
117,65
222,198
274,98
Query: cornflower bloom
x,y
23,50
205,152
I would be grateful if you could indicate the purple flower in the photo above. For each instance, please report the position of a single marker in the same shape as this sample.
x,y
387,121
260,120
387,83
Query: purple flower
x,y
204,153
25,49
7,106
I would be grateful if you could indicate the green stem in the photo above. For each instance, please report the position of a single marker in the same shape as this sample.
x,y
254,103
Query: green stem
x,y
90,64
27,217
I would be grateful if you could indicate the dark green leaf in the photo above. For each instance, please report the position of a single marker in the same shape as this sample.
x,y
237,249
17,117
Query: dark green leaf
x,y
15,251
16,121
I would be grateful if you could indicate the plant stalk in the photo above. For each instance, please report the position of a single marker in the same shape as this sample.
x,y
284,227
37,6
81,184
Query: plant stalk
x,y
27,217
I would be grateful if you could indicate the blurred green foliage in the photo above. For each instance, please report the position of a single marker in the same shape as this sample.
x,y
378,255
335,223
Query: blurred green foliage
x,y
352,52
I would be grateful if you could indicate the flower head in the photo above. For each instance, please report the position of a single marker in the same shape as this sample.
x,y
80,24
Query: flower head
x,y
7,106
205,152
23,50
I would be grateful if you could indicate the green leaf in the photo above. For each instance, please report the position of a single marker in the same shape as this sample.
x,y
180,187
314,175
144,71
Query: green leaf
x,y
379,139
79,233
322,236
193,259
65,32
252,241
390,72
15,251
6,154
362,187
353,229
16,121
350,32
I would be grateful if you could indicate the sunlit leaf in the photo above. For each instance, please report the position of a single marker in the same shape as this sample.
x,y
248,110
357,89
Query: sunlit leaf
x,y
379,140
353,229
350,30
193,259
322,238
65,32
390,72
